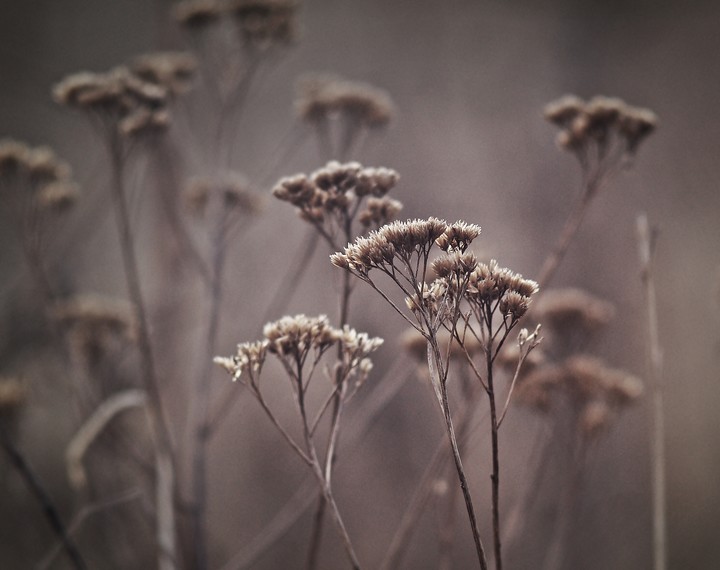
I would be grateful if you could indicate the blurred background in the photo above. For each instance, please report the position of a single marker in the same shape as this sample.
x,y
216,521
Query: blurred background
x,y
469,80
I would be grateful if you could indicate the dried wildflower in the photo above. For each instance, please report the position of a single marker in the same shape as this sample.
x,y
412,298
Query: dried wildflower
x,y
119,98
569,311
458,236
197,14
379,211
13,157
231,189
331,196
58,196
93,322
171,70
297,335
250,357
264,23
605,123
322,97
489,283
455,264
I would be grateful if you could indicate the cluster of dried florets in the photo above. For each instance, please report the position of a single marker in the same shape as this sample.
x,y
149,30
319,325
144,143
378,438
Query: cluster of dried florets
x,y
119,99
232,190
38,175
332,196
573,314
93,324
595,391
600,122
172,71
322,97
260,23
293,339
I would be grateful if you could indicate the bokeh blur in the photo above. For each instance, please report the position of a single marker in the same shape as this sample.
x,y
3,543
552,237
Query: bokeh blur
x,y
468,80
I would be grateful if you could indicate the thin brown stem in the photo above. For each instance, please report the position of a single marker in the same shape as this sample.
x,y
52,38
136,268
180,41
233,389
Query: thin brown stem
x,y
165,483
646,244
44,500
495,476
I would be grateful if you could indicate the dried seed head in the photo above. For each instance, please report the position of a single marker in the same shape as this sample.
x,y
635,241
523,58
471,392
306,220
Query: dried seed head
x,y
636,125
13,157
171,70
489,282
297,335
321,97
379,211
250,356
59,196
562,111
569,311
375,181
456,264
264,23
297,189
458,236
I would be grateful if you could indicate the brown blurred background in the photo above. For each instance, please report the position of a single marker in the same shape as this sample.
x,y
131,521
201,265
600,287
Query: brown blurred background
x,y
469,80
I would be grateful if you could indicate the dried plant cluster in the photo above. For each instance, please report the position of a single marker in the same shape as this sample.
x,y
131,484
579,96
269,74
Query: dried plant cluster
x,y
474,325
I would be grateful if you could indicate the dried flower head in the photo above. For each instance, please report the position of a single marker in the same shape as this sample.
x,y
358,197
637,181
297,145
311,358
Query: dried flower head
x,y
602,122
264,23
58,196
171,70
489,283
231,189
379,211
299,334
119,98
570,311
321,97
250,357
458,236
13,157
93,323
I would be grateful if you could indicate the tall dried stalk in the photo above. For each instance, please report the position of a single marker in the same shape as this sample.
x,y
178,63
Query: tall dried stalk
x,y
164,475
646,243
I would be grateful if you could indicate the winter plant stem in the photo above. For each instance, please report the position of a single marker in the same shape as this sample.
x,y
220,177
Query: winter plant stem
x,y
319,518
495,477
49,510
202,399
165,480
655,368
435,366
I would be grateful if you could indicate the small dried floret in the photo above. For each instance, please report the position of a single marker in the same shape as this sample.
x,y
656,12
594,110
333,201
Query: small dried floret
x,y
265,22
455,264
297,335
412,236
375,181
564,110
144,121
197,14
458,236
43,166
297,189
170,70
250,356
637,124
58,196
379,211
489,282
357,346
13,156
514,305
322,96
336,176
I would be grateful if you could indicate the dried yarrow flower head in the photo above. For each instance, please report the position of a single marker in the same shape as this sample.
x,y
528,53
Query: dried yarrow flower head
x,y
231,191
293,338
94,323
119,100
571,312
322,97
605,124
492,287
263,24
172,71
36,180
331,197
